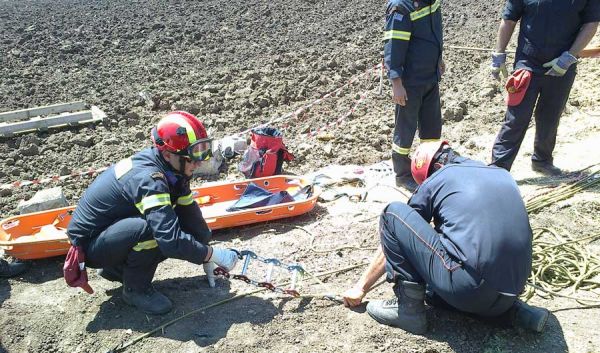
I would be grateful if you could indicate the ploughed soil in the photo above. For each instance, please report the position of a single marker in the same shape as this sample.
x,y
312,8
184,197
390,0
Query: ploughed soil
x,y
237,64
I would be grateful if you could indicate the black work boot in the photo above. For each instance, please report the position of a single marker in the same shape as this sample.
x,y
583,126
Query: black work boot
x,y
546,168
406,310
12,269
528,317
113,274
404,177
148,300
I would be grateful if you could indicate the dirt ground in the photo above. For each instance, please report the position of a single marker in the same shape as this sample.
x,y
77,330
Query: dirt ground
x,y
237,64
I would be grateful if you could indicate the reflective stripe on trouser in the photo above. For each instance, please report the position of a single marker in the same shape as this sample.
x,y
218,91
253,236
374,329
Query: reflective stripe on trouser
x,y
414,252
128,243
551,94
422,111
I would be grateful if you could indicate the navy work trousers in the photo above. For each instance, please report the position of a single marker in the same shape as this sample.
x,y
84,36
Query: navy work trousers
x,y
551,94
422,111
128,245
414,252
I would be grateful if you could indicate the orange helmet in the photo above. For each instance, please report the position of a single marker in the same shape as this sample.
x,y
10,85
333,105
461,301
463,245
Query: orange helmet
x,y
422,158
182,133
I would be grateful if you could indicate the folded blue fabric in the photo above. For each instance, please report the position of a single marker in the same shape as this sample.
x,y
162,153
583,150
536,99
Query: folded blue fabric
x,y
255,196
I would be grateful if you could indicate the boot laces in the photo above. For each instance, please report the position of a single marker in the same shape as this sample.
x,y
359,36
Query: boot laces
x,y
391,302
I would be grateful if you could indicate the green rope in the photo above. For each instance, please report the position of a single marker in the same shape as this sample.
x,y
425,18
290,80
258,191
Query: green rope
x,y
562,264
563,192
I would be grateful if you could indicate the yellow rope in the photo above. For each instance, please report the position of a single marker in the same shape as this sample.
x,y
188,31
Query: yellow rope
x,y
561,262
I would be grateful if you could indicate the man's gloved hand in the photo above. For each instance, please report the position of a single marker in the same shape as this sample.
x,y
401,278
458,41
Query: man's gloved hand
x,y
560,65
225,258
499,66
209,268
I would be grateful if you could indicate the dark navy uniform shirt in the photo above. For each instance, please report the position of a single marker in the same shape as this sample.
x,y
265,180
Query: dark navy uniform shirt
x,y
548,28
482,221
413,42
146,186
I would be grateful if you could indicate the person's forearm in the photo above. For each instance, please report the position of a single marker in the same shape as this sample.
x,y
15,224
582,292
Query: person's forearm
x,y
507,27
583,38
375,270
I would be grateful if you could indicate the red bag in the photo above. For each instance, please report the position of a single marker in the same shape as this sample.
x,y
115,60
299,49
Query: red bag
x,y
265,155
74,269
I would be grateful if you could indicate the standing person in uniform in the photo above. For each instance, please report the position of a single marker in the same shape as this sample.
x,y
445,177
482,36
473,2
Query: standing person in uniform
x,y
413,58
141,211
475,259
552,34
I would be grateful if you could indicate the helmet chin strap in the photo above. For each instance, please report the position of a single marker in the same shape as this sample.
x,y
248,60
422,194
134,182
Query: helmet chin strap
x,y
182,166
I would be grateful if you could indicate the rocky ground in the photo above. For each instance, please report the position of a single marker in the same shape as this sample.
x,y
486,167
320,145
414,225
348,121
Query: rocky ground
x,y
237,64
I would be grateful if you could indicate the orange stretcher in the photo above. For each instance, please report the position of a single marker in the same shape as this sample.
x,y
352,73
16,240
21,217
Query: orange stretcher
x,y
43,234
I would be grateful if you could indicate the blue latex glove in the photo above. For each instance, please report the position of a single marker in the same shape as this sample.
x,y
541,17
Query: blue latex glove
x,y
560,65
402,6
499,66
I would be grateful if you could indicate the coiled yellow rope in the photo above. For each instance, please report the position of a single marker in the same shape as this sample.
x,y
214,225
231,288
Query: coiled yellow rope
x,y
561,263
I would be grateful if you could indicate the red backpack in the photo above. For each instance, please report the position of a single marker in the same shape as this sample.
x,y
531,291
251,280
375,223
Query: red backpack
x,y
265,155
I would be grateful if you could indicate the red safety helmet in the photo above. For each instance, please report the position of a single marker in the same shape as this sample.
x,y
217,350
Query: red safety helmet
x,y
422,158
182,133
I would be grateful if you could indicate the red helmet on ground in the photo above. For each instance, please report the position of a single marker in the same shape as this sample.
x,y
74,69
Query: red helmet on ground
x,y
182,133
422,158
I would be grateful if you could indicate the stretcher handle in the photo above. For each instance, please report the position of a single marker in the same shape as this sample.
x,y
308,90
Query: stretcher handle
x,y
33,241
260,213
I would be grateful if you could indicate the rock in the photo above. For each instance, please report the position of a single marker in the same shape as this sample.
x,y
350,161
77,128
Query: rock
x,y
192,108
150,101
325,137
31,150
5,192
43,200
132,115
64,171
220,124
385,129
149,46
453,113
84,141
112,141
488,92
213,88
140,135
377,145
328,149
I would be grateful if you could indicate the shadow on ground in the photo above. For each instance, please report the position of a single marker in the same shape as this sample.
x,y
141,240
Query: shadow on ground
x,y
466,334
205,327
